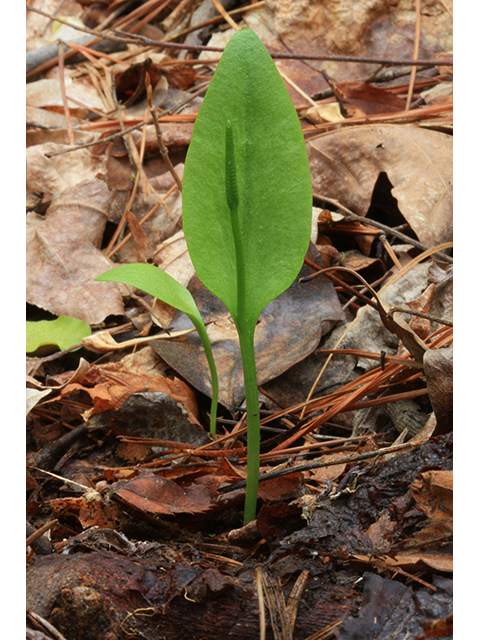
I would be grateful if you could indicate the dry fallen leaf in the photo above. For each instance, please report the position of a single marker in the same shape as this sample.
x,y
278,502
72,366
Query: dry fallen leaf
x,y
51,175
47,93
439,376
346,164
64,258
352,28
160,496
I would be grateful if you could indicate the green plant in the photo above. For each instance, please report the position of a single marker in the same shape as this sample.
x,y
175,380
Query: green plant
x,y
63,332
247,201
157,283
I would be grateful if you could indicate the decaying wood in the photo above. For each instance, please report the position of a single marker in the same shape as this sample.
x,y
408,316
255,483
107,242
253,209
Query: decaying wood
x,y
104,595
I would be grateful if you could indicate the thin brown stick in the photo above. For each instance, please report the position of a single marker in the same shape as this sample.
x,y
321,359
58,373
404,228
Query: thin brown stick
x,y
320,465
93,54
66,109
370,356
388,248
228,18
175,17
427,316
161,145
326,632
39,532
400,116
415,55
288,55
125,21
261,602
149,17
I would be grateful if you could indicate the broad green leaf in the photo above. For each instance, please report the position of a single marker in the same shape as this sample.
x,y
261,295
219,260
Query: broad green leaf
x,y
247,148
63,332
157,283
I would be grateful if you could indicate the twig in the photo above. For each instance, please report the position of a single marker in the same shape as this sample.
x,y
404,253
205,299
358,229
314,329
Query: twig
x,y
225,15
388,248
447,323
261,602
318,465
53,450
286,55
415,54
370,356
392,280
61,69
326,632
158,131
45,625
33,535
149,17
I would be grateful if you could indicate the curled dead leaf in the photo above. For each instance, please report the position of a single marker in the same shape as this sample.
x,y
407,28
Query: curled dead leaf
x,y
346,164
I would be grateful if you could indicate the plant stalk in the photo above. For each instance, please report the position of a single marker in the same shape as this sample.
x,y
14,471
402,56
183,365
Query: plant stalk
x,y
253,420
202,332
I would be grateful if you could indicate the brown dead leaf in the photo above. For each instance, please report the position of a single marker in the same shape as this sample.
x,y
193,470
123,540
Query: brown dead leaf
x,y
380,533
47,93
421,326
209,582
414,562
439,376
433,493
138,236
346,164
328,473
53,175
362,98
279,488
103,342
381,29
160,496
109,385
94,512
159,226
63,256
180,76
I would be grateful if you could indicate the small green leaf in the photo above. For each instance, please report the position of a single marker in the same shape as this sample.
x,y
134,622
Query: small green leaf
x,y
63,332
157,283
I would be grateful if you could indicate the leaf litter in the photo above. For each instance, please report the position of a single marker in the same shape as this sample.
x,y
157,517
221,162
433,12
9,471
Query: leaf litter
x,y
143,509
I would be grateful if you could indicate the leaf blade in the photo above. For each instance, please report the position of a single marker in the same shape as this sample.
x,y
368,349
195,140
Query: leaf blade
x,y
155,282
272,176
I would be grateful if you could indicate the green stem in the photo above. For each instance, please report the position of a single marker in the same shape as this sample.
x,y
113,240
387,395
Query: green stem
x,y
202,332
253,420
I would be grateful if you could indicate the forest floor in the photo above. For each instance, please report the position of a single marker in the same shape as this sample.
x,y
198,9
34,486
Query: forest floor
x,y
134,512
